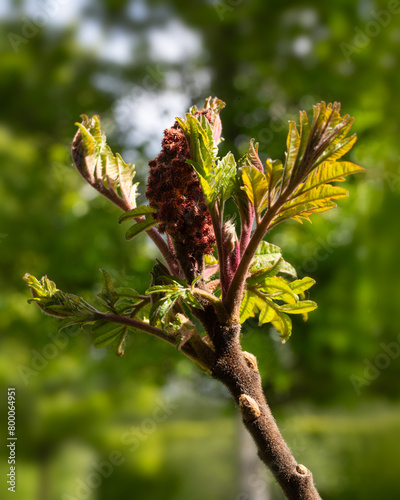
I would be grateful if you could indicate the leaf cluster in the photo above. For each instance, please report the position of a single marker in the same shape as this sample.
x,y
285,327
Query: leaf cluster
x,y
95,161
247,276
75,311
272,296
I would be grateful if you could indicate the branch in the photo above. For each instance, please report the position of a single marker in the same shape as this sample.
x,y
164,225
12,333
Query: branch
x,y
238,371
162,245
214,301
234,296
194,348
139,325
247,219
217,226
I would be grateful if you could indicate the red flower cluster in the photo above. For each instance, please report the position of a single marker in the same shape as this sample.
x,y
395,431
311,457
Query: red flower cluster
x,y
174,191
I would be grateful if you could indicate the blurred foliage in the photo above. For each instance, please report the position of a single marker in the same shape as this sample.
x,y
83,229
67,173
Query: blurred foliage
x,y
142,63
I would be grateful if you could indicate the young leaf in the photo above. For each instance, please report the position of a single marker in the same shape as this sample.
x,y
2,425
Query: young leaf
x,y
273,173
107,293
109,337
225,176
97,164
283,324
247,306
325,173
317,199
303,186
256,186
293,146
268,256
141,226
136,212
56,302
277,288
301,307
300,286
278,266
267,314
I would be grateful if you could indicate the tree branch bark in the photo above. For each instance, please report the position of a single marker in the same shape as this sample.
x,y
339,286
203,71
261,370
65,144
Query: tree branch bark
x,y
238,371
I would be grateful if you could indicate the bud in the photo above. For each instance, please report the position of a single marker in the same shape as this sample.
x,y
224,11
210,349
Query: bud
x,y
84,147
251,360
230,245
249,407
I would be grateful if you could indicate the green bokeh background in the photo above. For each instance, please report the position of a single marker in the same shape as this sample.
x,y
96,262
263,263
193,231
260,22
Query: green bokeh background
x,y
334,386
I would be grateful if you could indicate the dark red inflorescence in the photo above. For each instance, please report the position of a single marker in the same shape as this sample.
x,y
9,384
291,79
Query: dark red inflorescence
x,y
174,191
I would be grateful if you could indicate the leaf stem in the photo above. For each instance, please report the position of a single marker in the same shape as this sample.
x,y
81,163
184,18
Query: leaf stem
x,y
212,299
233,297
162,245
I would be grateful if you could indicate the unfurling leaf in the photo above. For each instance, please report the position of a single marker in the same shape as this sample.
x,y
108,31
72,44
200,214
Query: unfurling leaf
x,y
95,161
256,186
311,164
58,303
217,177
108,293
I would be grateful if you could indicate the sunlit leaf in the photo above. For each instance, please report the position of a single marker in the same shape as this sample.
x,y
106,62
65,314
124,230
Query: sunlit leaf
x,y
301,307
299,286
97,164
256,186
247,306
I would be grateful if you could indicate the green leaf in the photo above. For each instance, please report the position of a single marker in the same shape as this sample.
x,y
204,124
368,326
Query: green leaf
x,y
108,338
279,266
305,130
299,286
279,289
258,274
139,227
266,255
267,314
202,146
256,186
316,199
225,177
124,291
247,306
311,164
301,307
164,289
108,293
190,299
293,146
208,192
283,324
327,172
273,173
97,164
265,248
317,195
339,147
160,309
136,212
